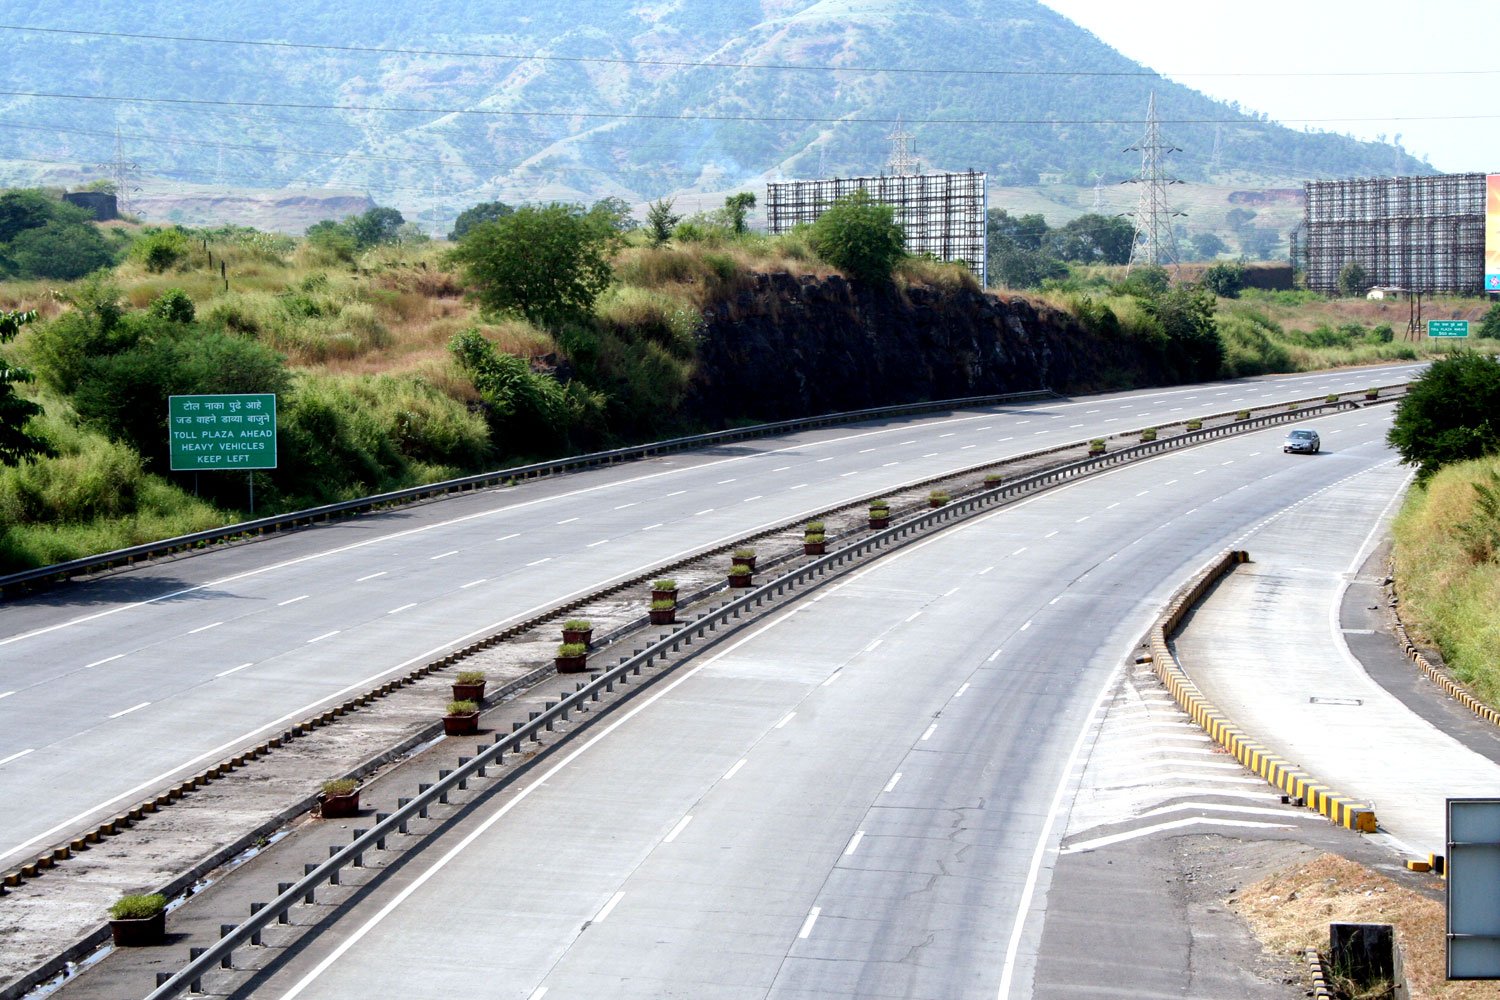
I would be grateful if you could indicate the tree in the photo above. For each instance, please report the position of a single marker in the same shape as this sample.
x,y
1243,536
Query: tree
x,y
660,221
1353,279
16,445
859,236
1093,239
376,227
1207,246
546,263
1490,325
1026,231
738,206
1451,413
62,250
1225,280
161,249
613,214
485,211
1186,314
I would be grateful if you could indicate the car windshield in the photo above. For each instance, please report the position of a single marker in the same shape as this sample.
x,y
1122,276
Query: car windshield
x,y
1303,435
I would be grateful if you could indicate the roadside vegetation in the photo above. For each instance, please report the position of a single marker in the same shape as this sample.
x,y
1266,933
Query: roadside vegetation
x,y
1447,537
538,331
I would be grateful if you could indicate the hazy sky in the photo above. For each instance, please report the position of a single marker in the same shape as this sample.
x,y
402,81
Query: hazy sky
x,y
1186,40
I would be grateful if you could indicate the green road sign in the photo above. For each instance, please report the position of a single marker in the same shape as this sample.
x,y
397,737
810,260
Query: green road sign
x,y
1447,328
226,432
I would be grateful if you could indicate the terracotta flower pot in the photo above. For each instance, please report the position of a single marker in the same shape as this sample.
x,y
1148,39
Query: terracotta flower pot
x,y
741,581
746,561
571,664
461,725
139,932
664,595
814,548
339,806
663,616
879,522
583,636
469,692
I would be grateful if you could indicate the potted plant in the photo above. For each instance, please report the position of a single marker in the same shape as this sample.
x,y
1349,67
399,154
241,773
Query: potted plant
x,y
1195,424
469,686
814,543
1148,434
664,590
571,658
1291,406
137,921
991,480
1372,393
462,718
938,498
663,612
1242,414
880,514
1096,446
340,798
744,557
576,631
1332,397
739,576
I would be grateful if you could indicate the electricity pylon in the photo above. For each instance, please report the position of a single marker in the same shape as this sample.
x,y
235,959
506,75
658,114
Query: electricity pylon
x,y
903,160
1155,242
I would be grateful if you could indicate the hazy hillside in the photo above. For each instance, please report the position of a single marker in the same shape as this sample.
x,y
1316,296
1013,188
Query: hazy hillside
x,y
616,111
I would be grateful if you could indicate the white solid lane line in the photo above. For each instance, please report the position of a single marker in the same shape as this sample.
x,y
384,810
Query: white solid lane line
x,y
15,756
454,552
854,842
383,572
100,663
325,635
735,769
681,825
292,600
132,708
233,670
397,611
609,907
807,925
205,628
891,785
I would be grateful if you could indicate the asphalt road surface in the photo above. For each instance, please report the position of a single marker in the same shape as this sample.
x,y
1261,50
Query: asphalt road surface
x,y
138,678
861,797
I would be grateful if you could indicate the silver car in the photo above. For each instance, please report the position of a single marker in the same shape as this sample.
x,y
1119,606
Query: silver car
x,y
1302,440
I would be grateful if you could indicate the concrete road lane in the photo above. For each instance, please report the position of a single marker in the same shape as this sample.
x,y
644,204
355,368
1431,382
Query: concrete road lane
x,y
182,663
863,797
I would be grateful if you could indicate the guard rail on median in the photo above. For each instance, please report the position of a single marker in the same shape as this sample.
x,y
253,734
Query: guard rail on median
x,y
220,954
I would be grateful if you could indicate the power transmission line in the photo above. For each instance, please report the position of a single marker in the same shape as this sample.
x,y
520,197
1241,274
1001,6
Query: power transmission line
x,y
709,64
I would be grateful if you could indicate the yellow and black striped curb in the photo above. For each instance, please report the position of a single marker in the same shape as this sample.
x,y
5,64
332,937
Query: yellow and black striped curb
x,y
1320,988
1438,676
1283,775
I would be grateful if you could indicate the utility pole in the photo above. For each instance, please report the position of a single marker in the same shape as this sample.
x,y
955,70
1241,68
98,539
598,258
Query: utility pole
x,y
1155,242
902,160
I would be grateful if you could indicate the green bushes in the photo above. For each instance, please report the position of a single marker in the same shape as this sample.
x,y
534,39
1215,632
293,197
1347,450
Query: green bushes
x,y
138,907
161,250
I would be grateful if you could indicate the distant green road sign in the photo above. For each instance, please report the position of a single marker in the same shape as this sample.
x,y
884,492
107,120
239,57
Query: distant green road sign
x,y
223,432
1447,328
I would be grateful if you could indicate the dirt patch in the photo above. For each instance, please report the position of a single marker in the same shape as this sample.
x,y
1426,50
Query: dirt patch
x,y
1290,910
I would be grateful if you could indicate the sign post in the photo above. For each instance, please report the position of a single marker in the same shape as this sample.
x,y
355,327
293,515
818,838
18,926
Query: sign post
x,y
224,433
1447,328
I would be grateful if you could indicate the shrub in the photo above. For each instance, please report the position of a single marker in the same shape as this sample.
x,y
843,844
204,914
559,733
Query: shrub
x,y
939,496
1225,280
1242,414
1448,414
993,479
1096,444
470,677
1490,325
814,537
174,306
1149,434
1332,397
577,625
739,571
339,786
665,583
665,604
464,707
161,250
814,528
1291,406
1195,424
859,236
745,553
138,907
880,505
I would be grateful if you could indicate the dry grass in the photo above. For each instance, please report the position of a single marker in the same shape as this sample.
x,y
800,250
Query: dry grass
x,y
1290,910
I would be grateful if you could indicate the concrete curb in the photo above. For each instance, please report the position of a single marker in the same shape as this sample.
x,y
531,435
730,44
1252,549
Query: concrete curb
x,y
1437,675
1320,988
1285,776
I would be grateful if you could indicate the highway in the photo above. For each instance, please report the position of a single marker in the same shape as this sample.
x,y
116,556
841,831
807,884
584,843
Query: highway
x,y
163,669
861,797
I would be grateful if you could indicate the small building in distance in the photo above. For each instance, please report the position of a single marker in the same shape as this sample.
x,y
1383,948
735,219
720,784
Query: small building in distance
x,y
104,206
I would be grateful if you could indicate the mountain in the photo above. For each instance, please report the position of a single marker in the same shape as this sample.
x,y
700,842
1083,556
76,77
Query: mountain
x,y
580,100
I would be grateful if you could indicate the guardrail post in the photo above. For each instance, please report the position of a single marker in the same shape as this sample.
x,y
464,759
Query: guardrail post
x,y
227,961
422,788
196,986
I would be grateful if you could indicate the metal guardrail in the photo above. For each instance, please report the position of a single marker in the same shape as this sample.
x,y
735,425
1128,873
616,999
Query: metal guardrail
x,y
248,933
280,522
